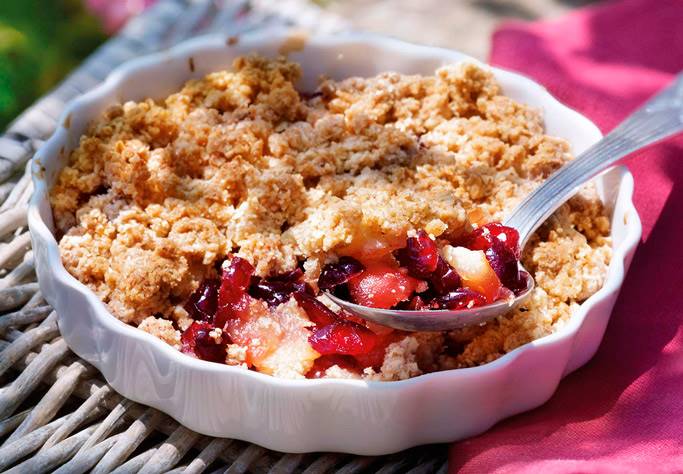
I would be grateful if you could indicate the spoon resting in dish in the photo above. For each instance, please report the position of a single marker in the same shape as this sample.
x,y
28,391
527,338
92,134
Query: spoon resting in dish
x,y
657,119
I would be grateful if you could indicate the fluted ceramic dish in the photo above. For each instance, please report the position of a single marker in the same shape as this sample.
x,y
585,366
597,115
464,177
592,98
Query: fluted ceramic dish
x,y
369,418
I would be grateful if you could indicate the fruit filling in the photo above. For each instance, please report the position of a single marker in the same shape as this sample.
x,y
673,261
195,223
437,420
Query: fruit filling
x,y
230,311
424,274
218,218
480,268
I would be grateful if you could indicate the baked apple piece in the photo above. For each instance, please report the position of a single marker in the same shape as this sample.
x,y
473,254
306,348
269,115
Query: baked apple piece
x,y
475,271
382,285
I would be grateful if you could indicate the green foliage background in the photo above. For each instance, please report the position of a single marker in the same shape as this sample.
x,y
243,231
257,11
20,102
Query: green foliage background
x,y
40,42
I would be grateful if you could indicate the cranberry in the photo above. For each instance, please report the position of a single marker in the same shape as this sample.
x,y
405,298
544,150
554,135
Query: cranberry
x,y
420,255
273,293
323,363
444,279
416,303
317,312
238,309
334,274
342,291
520,285
462,298
482,238
236,276
277,289
203,302
504,263
343,337
233,301
197,342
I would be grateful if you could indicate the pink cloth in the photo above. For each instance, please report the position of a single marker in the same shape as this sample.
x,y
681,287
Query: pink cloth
x,y
623,411
115,13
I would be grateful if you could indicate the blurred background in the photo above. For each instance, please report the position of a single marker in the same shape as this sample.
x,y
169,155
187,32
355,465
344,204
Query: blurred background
x,y
42,40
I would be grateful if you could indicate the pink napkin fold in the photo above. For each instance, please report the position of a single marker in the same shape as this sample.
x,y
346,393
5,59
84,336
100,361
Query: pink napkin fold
x,y
623,411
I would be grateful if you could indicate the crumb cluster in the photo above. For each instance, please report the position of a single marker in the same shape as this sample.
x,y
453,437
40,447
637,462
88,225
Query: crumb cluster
x,y
158,193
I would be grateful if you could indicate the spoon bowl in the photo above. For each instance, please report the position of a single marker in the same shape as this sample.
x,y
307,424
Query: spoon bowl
x,y
436,319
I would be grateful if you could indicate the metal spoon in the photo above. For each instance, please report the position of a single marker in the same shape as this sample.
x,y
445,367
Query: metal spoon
x,y
659,118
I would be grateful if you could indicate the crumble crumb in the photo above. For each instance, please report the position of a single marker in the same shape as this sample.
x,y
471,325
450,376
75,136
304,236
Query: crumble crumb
x,y
236,355
161,328
400,361
217,335
336,372
181,318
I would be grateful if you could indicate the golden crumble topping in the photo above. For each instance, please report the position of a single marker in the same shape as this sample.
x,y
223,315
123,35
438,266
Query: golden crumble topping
x,y
157,194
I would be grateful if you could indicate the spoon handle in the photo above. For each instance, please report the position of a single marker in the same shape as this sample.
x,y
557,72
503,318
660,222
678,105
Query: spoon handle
x,y
660,117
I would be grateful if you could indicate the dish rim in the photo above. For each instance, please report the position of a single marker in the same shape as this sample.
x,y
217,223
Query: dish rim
x,y
39,228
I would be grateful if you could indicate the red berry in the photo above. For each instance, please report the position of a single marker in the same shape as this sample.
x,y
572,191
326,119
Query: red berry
x,y
484,237
444,278
202,304
504,263
334,274
343,337
420,255
237,274
277,289
317,312
381,286
416,304
233,301
273,293
520,285
462,298
234,310
197,342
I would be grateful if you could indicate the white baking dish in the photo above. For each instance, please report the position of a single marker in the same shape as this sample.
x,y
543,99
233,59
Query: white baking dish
x,y
353,416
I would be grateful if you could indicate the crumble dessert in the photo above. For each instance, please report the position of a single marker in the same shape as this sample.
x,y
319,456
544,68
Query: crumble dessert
x,y
213,218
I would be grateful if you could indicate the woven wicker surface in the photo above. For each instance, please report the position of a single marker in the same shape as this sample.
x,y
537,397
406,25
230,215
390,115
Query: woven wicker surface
x,y
57,413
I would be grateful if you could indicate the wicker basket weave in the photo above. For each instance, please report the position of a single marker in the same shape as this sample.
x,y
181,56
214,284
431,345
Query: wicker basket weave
x,y
56,411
